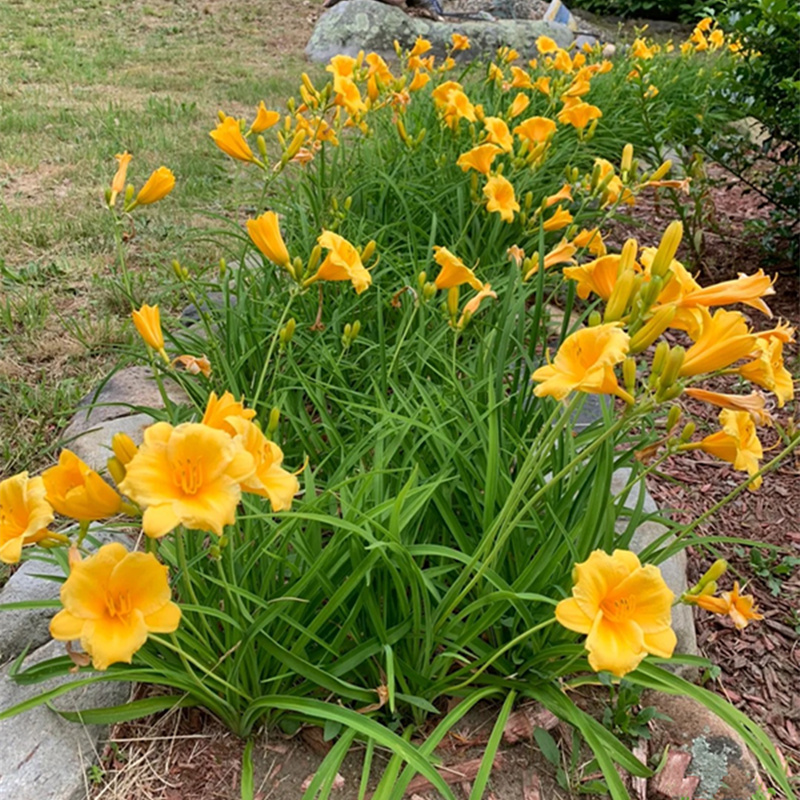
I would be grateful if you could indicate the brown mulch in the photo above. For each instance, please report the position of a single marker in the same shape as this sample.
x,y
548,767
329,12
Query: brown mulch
x,y
759,668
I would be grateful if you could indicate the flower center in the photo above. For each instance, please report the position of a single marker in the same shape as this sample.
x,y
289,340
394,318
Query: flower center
x,y
188,475
619,609
119,606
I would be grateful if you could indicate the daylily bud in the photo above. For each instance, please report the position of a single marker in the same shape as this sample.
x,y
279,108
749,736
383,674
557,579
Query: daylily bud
x,y
356,328
116,470
177,269
123,447
287,332
594,319
368,250
223,267
262,145
107,195
528,201
428,290
674,416
620,295
129,190
592,128
650,292
664,394
672,367
627,158
297,268
628,255
667,249
688,432
661,171
294,146
291,105
652,329
348,201
708,582
595,177
452,302
221,115
422,278
274,419
629,373
659,358
314,259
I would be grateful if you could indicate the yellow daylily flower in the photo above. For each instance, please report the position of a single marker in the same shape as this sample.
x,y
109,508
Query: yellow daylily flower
x,y
497,133
579,115
341,66
124,447
347,95
516,254
265,232
156,188
112,601
592,240
379,69
265,119
421,46
741,608
768,370
342,263
460,42
737,443
639,49
442,92
544,44
419,81
520,79
559,219
454,272
228,137
585,363
624,608
187,475
218,411
118,181
269,479
471,306
77,491
564,193
458,107
753,403
500,197
723,340
543,85
561,254
535,130
747,289
519,104
24,515
480,158
598,276
148,323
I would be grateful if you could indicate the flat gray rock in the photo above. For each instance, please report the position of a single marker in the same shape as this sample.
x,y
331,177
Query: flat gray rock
x,y
354,25
42,756
673,569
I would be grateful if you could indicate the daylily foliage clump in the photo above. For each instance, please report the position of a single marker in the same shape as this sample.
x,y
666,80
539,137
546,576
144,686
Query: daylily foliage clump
x,y
421,301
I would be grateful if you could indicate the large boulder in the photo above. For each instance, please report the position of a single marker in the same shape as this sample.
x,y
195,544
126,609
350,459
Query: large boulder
x,y
354,25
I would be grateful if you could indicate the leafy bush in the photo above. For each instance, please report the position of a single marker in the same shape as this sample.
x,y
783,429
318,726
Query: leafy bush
x,y
444,504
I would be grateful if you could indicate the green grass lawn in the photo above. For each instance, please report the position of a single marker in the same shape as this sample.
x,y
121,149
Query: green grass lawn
x,y
79,82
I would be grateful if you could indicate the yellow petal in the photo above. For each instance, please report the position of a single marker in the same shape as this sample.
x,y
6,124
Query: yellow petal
x,y
617,647
571,616
661,643
165,620
142,580
158,521
65,627
114,639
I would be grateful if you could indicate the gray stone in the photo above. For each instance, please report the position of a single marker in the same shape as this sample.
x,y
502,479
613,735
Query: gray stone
x,y
42,756
673,569
558,12
720,759
27,627
100,413
355,25
211,304
94,446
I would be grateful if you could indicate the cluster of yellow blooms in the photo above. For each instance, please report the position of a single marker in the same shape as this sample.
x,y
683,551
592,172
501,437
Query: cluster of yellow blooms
x,y
194,474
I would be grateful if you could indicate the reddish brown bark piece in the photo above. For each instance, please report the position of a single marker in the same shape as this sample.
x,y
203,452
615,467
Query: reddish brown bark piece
x,y
453,773
672,781
522,723
531,786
